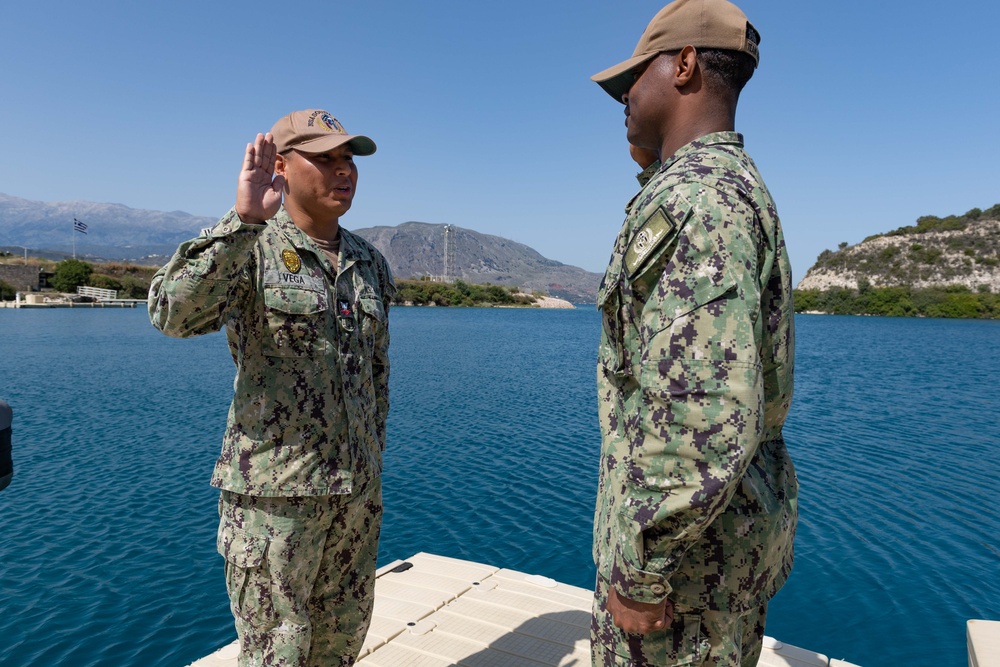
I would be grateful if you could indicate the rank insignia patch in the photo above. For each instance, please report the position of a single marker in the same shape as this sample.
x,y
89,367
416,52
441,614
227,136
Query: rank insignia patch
x,y
656,229
292,261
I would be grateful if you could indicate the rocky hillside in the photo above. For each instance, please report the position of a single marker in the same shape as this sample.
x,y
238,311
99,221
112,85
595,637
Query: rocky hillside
x,y
417,249
414,249
957,250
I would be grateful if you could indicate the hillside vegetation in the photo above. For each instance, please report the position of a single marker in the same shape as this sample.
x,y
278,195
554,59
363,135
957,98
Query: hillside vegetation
x,y
459,293
954,301
132,282
129,280
940,267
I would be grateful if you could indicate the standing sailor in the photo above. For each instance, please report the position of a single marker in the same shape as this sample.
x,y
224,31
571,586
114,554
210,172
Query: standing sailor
x,y
697,497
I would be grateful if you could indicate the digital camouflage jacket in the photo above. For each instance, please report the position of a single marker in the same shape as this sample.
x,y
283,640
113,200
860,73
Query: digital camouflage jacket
x,y
310,341
697,498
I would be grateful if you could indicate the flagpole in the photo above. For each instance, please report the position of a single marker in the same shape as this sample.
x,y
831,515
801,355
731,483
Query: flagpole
x,y
77,227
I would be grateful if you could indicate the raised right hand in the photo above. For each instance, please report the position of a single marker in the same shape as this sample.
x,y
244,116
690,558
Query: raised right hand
x,y
258,191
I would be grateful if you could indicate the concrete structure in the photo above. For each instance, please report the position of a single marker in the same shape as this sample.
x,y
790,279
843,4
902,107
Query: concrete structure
x,y
24,277
55,300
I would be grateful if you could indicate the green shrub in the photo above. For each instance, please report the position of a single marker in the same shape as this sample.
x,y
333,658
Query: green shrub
x,y
104,282
70,274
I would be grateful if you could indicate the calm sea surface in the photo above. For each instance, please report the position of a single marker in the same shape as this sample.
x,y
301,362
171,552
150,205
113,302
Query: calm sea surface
x,y
107,533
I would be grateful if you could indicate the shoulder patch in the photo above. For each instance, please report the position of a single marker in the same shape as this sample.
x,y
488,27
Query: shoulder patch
x,y
651,235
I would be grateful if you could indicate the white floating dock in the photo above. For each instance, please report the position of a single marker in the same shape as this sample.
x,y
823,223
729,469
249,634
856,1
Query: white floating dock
x,y
984,643
432,611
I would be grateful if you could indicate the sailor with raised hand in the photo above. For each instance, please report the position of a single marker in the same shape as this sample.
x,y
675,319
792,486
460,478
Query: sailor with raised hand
x,y
305,306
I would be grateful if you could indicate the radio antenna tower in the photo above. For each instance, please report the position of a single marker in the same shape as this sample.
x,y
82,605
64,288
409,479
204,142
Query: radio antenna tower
x,y
449,251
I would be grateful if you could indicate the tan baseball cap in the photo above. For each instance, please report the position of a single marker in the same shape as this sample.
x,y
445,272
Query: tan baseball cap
x,y
705,24
316,131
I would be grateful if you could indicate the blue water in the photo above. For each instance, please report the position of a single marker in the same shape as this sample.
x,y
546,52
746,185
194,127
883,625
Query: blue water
x,y
107,533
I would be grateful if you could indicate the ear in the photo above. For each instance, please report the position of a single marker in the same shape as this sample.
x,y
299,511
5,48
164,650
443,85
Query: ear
x,y
685,66
279,164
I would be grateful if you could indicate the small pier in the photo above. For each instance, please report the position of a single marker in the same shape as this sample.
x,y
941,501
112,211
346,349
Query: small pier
x,y
86,297
66,303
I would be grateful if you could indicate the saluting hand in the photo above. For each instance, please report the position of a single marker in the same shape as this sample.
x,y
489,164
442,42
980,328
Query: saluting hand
x,y
258,192
639,617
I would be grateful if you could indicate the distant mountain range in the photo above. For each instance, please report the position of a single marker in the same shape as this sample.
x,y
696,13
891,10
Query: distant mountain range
x,y
114,231
413,249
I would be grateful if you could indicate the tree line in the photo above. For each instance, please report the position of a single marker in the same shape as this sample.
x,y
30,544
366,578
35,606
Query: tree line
x,y
932,223
132,282
952,301
425,292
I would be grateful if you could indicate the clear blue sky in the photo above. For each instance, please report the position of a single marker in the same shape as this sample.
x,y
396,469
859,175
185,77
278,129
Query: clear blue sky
x,y
863,115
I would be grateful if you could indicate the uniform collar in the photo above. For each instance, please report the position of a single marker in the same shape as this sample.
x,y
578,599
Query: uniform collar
x,y
352,247
713,139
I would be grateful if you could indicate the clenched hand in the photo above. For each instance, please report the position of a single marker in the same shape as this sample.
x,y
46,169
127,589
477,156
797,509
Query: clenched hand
x,y
639,617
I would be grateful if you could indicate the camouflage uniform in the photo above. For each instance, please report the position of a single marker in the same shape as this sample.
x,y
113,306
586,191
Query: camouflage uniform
x,y
301,457
697,495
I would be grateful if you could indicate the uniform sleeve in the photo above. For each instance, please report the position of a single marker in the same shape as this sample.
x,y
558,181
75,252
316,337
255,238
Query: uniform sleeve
x,y
700,398
189,296
380,362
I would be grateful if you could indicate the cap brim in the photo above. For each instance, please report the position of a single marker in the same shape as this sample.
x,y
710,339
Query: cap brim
x,y
360,144
617,80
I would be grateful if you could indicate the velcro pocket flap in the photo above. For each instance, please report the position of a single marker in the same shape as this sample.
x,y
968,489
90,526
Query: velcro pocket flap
x,y
296,301
241,548
372,307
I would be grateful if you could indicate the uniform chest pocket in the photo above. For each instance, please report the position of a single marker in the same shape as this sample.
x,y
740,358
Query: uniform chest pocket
x,y
373,318
297,322
372,308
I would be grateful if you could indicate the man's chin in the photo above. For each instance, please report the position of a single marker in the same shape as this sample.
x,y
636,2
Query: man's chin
x,y
341,206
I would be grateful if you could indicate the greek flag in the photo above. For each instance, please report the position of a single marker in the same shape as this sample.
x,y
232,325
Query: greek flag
x,y
79,226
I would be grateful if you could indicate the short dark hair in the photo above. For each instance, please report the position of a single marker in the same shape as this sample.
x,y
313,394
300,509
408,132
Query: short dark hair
x,y
727,69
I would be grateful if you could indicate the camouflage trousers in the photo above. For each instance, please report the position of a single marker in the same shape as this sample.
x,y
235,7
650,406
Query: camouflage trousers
x,y
697,637
301,575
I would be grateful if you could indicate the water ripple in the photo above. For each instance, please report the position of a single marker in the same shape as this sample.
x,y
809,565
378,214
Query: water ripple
x,y
109,526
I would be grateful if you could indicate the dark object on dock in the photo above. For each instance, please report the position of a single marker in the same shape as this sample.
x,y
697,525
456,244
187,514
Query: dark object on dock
x,y
6,461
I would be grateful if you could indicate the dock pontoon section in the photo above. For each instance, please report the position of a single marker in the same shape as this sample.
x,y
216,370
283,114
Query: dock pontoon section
x,y
433,611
